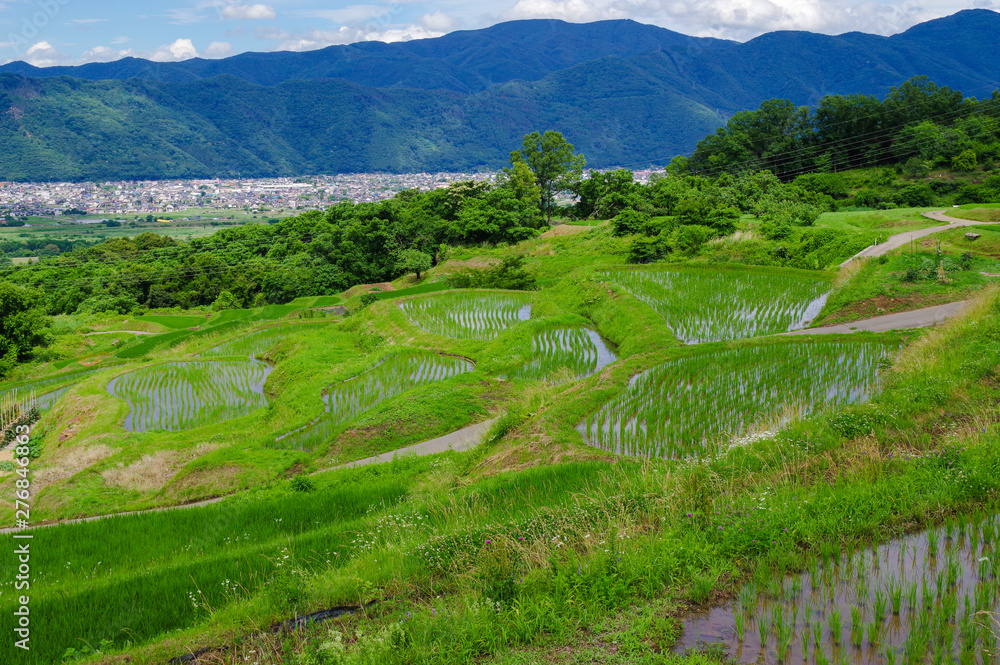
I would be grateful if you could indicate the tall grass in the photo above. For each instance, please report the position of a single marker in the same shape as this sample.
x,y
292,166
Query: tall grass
x,y
134,578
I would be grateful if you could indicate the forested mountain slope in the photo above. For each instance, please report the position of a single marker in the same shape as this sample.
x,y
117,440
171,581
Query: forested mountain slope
x,y
624,93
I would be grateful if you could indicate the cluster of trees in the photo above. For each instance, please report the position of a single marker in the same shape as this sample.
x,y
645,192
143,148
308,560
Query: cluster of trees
x,y
23,326
44,247
918,125
680,213
315,253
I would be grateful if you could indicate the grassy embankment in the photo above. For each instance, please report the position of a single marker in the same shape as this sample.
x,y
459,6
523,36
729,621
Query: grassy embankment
x,y
592,555
576,508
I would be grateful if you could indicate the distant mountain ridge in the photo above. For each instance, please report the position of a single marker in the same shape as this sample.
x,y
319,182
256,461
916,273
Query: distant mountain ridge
x,y
464,61
626,94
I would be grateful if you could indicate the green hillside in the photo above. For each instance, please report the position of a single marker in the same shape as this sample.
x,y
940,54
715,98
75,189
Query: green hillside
x,y
604,505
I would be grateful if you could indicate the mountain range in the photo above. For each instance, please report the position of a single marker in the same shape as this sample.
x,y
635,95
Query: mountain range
x,y
624,93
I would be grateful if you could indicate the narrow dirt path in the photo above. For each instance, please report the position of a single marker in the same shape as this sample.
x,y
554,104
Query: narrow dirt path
x,y
901,239
115,332
459,440
94,518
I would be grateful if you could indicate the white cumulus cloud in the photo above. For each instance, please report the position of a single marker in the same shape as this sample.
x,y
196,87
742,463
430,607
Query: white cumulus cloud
x,y
249,12
437,22
43,54
102,54
219,50
180,49
745,19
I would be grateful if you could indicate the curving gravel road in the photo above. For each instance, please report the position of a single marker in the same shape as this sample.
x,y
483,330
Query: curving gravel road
x,y
901,239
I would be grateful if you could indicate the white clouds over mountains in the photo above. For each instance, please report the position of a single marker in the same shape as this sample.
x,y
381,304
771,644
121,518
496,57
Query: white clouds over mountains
x,y
219,28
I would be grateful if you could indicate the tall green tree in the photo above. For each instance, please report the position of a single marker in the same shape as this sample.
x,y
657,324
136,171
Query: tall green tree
x,y
23,326
556,166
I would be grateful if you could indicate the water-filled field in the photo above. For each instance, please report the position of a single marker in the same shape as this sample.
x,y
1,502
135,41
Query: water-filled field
x,y
714,306
256,343
185,395
576,352
480,316
42,393
680,408
919,599
348,399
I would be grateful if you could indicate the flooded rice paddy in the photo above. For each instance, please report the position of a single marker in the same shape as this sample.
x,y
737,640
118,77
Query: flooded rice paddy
x,y
925,598
689,406
468,315
568,353
257,343
714,306
185,395
348,399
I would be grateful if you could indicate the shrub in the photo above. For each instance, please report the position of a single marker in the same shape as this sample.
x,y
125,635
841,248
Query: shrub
x,y
690,238
916,196
965,160
226,300
120,304
510,274
302,484
629,221
646,249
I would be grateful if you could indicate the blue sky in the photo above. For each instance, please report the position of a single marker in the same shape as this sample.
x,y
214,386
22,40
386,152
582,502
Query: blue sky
x,y
62,32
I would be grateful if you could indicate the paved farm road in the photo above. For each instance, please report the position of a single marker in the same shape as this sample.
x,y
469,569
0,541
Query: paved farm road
x,y
901,239
918,318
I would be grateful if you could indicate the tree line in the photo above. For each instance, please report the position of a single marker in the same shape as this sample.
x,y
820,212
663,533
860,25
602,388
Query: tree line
x,y
917,125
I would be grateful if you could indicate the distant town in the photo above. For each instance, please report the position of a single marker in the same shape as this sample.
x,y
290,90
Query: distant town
x,y
267,195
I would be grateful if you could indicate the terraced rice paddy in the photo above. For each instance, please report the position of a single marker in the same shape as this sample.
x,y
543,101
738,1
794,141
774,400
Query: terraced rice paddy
x,y
690,406
578,352
255,344
714,306
919,599
185,395
41,392
468,315
348,399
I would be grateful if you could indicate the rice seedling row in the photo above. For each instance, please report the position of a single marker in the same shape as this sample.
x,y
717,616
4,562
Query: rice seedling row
x,y
578,351
714,306
928,597
468,315
256,343
38,384
348,399
185,395
692,406
134,578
